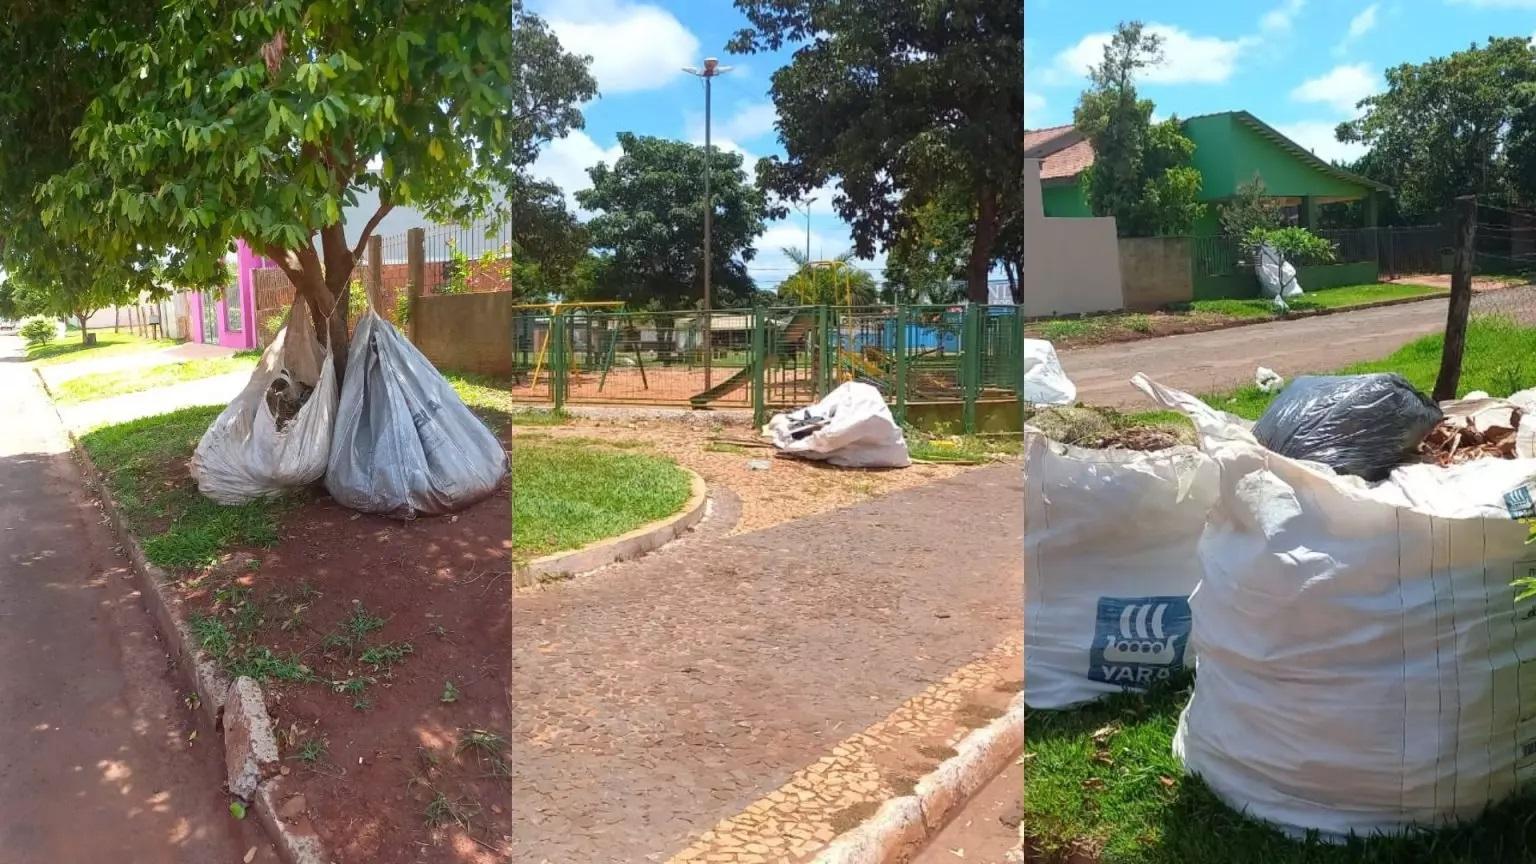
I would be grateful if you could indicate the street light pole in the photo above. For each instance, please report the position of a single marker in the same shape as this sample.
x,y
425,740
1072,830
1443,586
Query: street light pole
x,y
711,70
805,207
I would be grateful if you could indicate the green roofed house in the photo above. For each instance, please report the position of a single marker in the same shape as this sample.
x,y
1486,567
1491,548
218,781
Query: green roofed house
x,y
1230,148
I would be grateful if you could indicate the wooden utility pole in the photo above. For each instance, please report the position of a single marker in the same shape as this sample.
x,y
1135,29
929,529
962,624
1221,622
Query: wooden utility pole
x,y
1449,379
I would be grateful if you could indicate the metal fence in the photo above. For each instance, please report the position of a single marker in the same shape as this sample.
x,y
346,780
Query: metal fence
x,y
769,358
451,259
1396,250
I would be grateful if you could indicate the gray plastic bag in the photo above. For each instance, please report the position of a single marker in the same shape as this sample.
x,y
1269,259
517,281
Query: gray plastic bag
x,y
404,443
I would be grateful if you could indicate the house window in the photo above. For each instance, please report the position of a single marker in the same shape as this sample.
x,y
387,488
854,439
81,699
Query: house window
x,y
232,310
1290,215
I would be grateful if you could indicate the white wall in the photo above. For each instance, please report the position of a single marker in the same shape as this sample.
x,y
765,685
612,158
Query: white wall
x,y
1071,265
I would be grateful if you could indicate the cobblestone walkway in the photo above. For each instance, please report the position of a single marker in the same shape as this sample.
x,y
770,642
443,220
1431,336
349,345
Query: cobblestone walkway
x,y
655,699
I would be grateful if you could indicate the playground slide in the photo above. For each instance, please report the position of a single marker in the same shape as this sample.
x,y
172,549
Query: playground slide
x,y
729,385
793,332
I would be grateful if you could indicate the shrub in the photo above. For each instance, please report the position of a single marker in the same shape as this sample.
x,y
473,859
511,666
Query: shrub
x,y
403,309
1299,246
38,331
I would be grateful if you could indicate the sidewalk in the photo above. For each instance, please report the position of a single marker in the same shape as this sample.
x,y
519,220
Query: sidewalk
x,y
99,762
1225,359
65,370
654,699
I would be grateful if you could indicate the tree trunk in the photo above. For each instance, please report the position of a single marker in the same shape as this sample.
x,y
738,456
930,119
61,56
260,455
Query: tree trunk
x,y
1449,379
980,262
81,319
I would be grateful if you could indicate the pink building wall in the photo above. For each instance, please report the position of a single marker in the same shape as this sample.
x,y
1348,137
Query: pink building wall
x,y
246,261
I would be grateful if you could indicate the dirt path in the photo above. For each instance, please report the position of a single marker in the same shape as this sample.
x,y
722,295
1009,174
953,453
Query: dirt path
x,y
1224,359
97,764
655,698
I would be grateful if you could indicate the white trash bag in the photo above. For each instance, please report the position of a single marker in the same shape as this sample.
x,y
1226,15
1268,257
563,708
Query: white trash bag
x,y
259,445
1364,666
850,427
1109,558
404,443
1277,278
1045,382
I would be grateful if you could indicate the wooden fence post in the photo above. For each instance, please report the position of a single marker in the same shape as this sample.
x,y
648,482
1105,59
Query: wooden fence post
x,y
376,274
416,270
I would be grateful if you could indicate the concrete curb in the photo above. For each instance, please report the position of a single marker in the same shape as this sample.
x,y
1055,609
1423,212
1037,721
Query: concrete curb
x,y
642,540
901,826
212,686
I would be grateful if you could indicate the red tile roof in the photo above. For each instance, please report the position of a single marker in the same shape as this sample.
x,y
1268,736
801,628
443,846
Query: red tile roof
x,y
1062,150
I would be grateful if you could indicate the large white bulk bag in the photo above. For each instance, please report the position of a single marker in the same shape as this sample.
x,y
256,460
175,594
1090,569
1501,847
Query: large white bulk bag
x,y
1109,562
1364,666
1045,382
244,455
405,444
856,430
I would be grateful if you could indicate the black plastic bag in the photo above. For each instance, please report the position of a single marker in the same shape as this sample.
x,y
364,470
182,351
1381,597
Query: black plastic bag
x,y
1364,425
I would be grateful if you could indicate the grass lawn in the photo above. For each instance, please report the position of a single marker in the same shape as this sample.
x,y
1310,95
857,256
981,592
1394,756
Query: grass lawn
x,y
1102,782
1500,359
100,385
181,530
1208,314
108,344
566,494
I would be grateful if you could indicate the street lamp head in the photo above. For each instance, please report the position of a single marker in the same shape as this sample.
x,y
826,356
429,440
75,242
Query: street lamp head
x,y
710,63
691,70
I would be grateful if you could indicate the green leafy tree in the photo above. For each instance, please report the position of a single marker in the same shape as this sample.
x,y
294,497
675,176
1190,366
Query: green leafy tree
x,y
649,227
838,282
549,245
1250,209
50,70
1141,173
900,102
929,254
1457,125
263,122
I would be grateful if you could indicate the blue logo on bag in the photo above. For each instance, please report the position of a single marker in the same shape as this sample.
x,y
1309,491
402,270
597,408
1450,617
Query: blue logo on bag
x,y
1519,503
1139,640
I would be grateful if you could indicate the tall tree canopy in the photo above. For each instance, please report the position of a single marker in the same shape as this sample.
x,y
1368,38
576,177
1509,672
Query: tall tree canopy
x,y
1141,173
1457,125
929,254
263,122
549,255
50,70
649,225
896,100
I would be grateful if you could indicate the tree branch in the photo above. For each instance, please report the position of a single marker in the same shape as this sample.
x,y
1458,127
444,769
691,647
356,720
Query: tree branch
x,y
373,222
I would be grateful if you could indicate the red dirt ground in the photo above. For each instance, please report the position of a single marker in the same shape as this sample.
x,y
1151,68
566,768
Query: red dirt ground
x,y
441,585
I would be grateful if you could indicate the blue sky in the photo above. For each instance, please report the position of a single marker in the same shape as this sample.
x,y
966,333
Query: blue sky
x,y
639,48
1299,65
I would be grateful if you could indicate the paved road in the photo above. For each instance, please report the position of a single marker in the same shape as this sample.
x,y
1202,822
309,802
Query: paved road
x,y
654,698
1223,359
94,759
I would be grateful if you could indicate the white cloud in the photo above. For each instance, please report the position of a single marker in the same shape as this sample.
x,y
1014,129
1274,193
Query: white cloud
x,y
1280,18
633,46
565,161
1317,136
1034,109
750,121
1187,59
1340,88
1361,24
